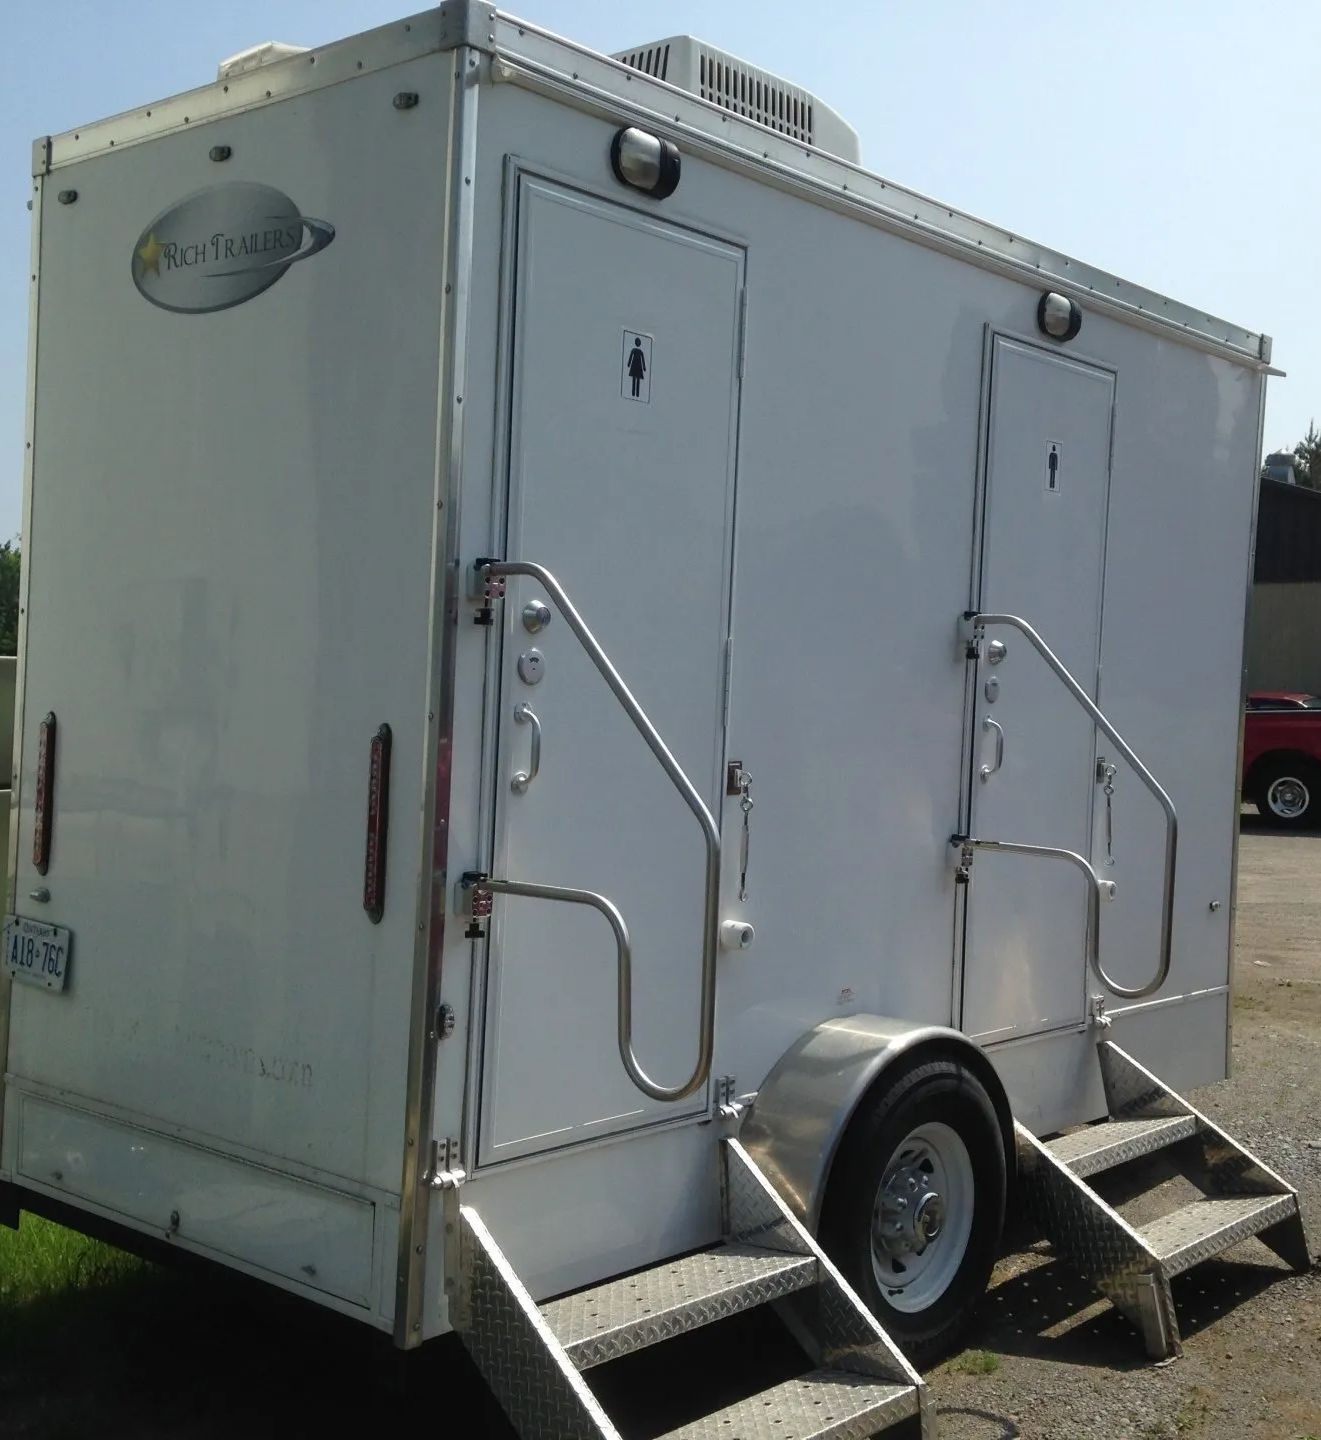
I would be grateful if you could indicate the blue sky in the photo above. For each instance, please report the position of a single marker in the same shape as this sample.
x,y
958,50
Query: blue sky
x,y
1167,140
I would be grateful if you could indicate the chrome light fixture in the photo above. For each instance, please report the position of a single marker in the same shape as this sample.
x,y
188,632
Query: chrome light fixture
x,y
646,162
1058,316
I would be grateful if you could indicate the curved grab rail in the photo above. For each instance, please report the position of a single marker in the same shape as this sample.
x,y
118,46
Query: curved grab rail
x,y
1097,890
499,569
624,960
978,623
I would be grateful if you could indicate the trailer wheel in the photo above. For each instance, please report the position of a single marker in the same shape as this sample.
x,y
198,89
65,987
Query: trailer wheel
x,y
1287,792
916,1202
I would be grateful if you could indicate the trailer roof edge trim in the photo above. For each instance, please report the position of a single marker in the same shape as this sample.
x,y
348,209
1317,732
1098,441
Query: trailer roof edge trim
x,y
459,22
525,54
530,55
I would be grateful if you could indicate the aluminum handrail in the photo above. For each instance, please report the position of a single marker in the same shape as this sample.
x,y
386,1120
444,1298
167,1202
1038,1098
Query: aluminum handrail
x,y
1096,891
978,623
500,569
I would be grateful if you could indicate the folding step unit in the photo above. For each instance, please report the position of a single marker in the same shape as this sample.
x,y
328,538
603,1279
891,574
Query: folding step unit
x,y
532,1355
1132,1266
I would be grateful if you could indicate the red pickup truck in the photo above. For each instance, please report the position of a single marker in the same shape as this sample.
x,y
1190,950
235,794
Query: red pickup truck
x,y
1282,757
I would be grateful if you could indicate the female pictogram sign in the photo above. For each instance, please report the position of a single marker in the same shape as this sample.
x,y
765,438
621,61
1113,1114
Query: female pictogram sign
x,y
635,382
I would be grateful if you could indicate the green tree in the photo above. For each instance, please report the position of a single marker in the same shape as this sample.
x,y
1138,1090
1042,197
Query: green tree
x,y
1307,458
10,561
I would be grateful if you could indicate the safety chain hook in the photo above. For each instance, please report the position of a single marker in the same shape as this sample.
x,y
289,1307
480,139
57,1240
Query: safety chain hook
x,y
745,804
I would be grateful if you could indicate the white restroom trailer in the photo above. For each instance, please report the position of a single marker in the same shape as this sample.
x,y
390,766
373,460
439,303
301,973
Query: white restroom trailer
x,y
604,693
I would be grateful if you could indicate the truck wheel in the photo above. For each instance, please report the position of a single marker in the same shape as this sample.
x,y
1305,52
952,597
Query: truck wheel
x,y
1288,793
916,1202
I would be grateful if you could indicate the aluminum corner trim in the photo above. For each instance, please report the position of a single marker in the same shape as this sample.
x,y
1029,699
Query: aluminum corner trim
x,y
37,202
468,22
416,1256
41,150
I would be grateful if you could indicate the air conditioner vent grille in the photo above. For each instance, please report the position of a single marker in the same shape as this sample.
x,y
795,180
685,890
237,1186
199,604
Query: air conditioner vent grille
x,y
748,93
741,89
651,60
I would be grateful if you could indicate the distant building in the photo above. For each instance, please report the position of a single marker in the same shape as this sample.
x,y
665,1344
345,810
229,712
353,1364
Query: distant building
x,y
1279,466
1284,633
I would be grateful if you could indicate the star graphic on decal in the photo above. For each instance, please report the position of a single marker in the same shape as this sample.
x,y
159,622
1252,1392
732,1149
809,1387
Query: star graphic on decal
x,y
150,254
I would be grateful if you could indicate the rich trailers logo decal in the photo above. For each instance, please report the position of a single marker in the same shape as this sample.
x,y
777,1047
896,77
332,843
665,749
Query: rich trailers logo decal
x,y
223,245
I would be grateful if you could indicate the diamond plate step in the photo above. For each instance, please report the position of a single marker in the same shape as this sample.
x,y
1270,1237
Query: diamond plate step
x,y
532,1356
1102,1147
1132,1266
822,1405
601,1324
1206,1227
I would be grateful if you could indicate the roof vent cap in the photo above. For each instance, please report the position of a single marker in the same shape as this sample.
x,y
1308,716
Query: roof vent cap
x,y
255,56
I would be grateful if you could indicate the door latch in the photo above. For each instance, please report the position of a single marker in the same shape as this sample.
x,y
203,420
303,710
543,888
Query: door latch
x,y
475,899
1106,770
485,589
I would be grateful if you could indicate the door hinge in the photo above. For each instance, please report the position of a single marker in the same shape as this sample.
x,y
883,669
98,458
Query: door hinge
x,y
970,636
742,332
727,1104
473,901
963,866
445,1172
484,590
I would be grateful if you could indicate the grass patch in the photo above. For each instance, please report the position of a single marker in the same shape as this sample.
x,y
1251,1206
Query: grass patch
x,y
43,1259
976,1362
96,1342
1192,1414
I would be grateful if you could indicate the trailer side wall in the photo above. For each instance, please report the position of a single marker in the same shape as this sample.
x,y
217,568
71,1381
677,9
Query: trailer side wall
x,y
861,440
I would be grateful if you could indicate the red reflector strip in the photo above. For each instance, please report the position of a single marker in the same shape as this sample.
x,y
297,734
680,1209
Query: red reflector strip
x,y
44,821
378,821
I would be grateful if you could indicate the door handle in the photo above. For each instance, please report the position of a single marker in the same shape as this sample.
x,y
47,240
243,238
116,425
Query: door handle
x,y
988,770
525,715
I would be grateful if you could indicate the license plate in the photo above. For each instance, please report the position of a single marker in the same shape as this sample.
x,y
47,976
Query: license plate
x,y
37,953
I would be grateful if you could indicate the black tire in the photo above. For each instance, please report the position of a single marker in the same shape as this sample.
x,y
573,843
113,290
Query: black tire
x,y
1287,792
943,1091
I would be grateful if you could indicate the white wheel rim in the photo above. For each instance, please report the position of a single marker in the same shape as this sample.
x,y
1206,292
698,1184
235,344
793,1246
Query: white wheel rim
x,y
922,1217
1288,797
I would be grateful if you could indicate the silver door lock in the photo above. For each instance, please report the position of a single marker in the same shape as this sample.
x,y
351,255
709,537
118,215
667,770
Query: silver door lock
x,y
995,652
531,666
992,689
536,616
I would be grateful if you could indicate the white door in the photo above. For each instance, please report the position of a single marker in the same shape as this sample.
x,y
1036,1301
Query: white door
x,y
622,435
1042,557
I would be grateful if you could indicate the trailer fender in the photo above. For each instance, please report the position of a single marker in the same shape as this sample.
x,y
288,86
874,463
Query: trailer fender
x,y
805,1105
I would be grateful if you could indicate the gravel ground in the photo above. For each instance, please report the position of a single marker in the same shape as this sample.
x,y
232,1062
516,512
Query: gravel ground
x,y
1051,1363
